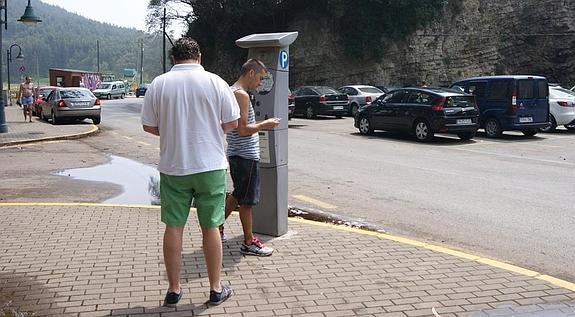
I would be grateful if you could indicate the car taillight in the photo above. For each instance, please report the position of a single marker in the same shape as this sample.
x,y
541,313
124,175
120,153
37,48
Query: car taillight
x,y
322,99
291,97
97,103
61,104
566,103
368,99
514,100
438,106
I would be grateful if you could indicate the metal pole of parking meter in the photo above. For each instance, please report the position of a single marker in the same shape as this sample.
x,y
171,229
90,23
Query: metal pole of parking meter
x,y
271,101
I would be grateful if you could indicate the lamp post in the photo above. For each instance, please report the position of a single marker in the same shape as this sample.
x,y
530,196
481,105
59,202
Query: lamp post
x,y
28,18
8,60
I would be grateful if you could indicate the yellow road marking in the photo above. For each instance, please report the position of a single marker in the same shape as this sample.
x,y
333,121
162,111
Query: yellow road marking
x,y
127,137
143,143
314,201
494,263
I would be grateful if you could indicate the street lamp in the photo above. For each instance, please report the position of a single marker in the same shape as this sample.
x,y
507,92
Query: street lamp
x,y
29,18
8,60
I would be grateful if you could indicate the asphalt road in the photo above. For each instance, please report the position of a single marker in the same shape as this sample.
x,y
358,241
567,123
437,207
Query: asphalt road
x,y
512,199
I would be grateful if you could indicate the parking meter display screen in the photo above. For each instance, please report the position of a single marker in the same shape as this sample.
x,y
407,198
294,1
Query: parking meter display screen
x,y
266,84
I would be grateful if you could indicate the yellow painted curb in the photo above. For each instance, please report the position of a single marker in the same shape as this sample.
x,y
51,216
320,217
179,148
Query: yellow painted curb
x,y
490,262
493,263
93,130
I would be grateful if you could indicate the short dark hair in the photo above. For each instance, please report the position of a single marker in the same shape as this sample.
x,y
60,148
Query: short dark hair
x,y
253,64
185,48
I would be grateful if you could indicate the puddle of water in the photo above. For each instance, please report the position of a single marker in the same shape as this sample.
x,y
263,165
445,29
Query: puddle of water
x,y
140,182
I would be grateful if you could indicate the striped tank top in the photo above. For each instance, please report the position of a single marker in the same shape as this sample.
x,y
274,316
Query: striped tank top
x,y
248,147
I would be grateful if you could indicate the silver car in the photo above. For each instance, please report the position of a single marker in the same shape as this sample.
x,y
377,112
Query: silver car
x,y
359,96
70,103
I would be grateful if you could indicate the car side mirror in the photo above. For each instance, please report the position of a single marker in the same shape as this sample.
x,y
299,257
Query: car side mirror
x,y
44,99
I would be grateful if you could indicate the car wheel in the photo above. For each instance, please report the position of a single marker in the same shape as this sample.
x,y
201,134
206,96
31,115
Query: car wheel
x,y
570,127
109,97
122,96
137,96
338,116
96,120
365,126
493,128
310,113
552,125
466,135
422,131
54,119
530,132
353,110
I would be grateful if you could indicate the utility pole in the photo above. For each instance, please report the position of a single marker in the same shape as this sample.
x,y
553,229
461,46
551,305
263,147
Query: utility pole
x,y
164,40
98,54
141,61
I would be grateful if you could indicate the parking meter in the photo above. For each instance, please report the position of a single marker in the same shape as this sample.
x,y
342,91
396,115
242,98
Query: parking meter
x,y
271,100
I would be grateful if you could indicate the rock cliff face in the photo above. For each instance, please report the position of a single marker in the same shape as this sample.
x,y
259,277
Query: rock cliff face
x,y
471,38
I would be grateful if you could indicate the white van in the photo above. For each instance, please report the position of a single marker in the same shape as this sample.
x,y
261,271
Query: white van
x,y
110,89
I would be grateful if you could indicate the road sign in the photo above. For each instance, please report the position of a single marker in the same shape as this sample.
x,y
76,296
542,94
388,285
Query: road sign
x,y
22,69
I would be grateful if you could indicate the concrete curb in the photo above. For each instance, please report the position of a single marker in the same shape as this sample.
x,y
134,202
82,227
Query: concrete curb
x,y
93,130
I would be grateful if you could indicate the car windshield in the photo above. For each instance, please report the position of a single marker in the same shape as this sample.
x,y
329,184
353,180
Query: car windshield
x,y
460,101
74,94
44,92
144,86
370,90
103,86
559,92
326,91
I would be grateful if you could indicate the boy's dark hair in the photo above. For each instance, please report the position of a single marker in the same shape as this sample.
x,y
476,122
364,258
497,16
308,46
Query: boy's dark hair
x,y
253,64
185,48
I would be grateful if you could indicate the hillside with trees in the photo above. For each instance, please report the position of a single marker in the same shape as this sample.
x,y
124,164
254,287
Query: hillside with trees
x,y
393,42
67,40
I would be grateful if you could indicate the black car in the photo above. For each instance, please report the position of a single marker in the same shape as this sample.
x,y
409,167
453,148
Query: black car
x,y
421,111
312,101
141,91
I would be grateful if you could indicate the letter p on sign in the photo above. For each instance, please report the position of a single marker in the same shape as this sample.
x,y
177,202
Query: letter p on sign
x,y
284,59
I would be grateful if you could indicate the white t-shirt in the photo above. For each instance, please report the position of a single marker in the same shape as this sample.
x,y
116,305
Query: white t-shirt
x,y
188,105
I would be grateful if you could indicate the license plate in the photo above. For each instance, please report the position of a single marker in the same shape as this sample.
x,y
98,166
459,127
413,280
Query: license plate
x,y
525,120
81,104
337,107
464,121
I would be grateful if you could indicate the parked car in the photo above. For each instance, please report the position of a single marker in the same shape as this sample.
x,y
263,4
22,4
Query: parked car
x,y
519,103
141,90
312,101
41,92
111,89
421,111
359,96
70,103
561,108
291,104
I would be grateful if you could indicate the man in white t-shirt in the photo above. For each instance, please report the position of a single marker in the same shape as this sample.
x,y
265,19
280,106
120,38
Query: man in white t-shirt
x,y
191,110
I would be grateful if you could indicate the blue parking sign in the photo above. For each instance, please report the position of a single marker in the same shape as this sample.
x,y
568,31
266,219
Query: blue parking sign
x,y
284,59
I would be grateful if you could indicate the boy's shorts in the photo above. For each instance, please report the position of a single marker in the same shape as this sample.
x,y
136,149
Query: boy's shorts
x,y
246,177
209,191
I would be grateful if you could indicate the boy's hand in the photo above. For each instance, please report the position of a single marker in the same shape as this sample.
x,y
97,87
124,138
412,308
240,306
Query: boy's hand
x,y
270,123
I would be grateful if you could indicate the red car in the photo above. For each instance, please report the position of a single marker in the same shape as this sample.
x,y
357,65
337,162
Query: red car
x,y
41,92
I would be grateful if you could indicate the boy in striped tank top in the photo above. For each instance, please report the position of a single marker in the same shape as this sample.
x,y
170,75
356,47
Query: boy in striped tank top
x,y
244,155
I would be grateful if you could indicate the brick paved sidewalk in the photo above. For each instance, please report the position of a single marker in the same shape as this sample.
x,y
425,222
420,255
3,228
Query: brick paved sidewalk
x,y
99,261
24,132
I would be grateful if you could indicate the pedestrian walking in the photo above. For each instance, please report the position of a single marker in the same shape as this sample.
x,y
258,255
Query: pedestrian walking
x,y
25,97
244,155
191,109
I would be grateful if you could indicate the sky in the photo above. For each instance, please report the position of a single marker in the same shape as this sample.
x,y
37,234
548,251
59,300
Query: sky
x,y
126,13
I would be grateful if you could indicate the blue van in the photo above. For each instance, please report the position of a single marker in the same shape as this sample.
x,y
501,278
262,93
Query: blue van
x,y
509,103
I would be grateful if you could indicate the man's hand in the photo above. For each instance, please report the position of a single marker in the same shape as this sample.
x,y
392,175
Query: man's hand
x,y
269,124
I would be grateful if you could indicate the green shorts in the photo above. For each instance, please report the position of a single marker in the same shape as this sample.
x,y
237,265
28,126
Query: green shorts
x,y
209,191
